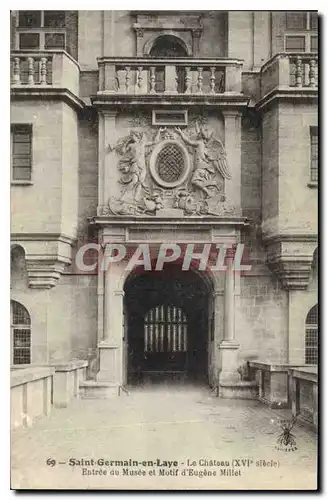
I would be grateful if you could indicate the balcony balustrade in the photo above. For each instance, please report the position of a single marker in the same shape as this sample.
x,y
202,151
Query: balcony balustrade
x,y
290,71
44,70
180,76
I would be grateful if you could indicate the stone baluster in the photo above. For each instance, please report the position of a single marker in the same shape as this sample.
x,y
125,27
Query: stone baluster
x,y
306,67
139,78
188,80
200,81
298,73
127,78
152,79
30,71
43,71
16,71
312,82
212,80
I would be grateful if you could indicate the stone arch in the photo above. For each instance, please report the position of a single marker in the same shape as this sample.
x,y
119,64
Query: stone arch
x,y
122,274
171,37
168,321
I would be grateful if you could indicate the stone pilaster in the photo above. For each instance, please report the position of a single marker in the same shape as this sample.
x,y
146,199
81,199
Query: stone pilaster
x,y
232,140
106,141
111,345
229,346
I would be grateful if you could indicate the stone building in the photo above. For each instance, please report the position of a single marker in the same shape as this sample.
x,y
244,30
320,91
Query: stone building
x,y
152,127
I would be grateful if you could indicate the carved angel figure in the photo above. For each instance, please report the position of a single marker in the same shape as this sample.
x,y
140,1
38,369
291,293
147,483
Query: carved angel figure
x,y
132,164
210,158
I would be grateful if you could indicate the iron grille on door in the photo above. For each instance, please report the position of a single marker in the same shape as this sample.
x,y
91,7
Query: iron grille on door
x,y
165,330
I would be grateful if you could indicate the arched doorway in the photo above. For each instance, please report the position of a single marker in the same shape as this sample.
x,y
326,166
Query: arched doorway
x,y
173,47
168,322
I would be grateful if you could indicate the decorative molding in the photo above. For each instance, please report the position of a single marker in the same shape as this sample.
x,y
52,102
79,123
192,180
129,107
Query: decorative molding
x,y
181,172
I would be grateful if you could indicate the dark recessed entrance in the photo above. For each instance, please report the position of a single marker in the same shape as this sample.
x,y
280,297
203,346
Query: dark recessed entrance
x,y
167,325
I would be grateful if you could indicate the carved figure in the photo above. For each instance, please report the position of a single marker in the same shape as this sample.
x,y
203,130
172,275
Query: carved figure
x,y
132,164
210,158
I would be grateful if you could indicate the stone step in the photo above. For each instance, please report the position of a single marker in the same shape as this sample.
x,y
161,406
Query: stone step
x,y
238,390
94,389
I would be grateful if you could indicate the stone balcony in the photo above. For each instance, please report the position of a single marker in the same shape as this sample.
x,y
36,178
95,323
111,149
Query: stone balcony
x,y
170,80
289,75
50,74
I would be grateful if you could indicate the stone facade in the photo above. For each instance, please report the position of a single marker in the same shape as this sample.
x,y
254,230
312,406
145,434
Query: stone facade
x,y
248,107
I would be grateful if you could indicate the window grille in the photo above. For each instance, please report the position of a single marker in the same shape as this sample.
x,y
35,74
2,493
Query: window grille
x,y
21,152
165,329
314,154
21,334
170,164
311,337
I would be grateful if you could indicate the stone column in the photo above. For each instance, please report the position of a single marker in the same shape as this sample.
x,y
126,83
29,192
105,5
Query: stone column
x,y
111,346
229,346
232,141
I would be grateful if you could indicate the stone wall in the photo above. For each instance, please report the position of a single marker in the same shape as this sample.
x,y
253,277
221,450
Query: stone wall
x,y
49,204
261,319
298,203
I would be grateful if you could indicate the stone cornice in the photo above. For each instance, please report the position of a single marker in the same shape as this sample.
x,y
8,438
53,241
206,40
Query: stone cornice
x,y
225,100
197,221
287,94
301,237
47,93
15,237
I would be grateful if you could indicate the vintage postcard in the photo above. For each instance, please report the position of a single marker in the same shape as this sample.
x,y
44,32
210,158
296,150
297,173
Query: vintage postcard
x,y
164,250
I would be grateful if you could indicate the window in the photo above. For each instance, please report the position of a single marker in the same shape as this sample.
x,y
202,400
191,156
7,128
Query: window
x,y
39,30
314,44
295,43
296,20
314,154
21,334
54,19
311,336
29,19
313,20
54,41
21,152
301,32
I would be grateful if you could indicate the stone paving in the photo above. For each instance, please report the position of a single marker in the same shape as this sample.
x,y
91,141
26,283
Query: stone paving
x,y
169,423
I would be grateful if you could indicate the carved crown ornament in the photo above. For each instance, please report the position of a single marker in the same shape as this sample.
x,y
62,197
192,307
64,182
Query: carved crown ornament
x,y
171,171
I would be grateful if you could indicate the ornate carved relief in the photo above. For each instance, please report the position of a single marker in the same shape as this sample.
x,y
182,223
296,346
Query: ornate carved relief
x,y
177,170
